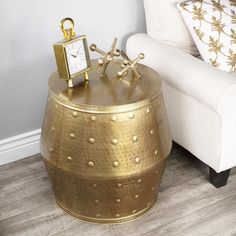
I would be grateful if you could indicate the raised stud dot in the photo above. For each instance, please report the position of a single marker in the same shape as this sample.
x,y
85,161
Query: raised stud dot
x,y
94,185
148,110
72,136
151,132
156,152
152,189
98,215
119,185
90,164
139,180
115,163
137,160
113,118
131,115
76,197
117,215
93,118
135,138
92,140
134,211
51,149
148,203
156,172
74,113
53,128
136,196
117,200
69,158
56,106
97,201
114,141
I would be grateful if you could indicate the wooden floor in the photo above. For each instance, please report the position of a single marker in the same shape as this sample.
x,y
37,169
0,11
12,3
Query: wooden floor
x,y
187,204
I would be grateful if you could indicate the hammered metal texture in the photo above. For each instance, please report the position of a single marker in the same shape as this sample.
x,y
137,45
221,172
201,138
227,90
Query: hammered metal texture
x,y
105,166
86,198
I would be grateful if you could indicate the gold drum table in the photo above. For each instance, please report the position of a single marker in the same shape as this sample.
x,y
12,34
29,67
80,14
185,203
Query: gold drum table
x,y
105,143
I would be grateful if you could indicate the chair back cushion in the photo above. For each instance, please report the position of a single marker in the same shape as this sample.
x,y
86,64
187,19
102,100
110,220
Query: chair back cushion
x,y
165,23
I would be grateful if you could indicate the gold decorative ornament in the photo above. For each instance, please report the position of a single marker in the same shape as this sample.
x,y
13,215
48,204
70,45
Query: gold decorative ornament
x,y
107,57
130,64
106,170
72,55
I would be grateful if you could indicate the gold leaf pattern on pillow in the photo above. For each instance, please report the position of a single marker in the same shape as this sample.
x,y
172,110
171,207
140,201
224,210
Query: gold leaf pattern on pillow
x,y
233,36
231,60
217,25
233,17
199,33
233,3
215,45
198,13
214,63
217,6
212,24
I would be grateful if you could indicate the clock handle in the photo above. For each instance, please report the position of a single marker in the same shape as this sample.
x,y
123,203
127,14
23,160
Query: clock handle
x,y
68,32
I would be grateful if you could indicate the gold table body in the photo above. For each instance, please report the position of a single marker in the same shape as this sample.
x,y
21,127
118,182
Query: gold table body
x,y
105,143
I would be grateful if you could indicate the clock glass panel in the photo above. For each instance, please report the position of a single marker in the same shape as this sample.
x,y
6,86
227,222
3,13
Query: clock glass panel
x,y
76,57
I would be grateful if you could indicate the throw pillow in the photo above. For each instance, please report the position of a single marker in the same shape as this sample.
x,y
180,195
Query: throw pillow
x,y
212,24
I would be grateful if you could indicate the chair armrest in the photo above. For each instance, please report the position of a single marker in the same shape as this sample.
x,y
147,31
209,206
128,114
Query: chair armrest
x,y
184,72
227,110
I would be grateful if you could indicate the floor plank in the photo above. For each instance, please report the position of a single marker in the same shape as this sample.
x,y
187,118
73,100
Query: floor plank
x,y
187,203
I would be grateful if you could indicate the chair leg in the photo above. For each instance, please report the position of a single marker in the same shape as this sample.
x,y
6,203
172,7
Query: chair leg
x,y
219,179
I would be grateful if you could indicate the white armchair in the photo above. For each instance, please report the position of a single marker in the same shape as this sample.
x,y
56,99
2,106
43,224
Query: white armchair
x,y
200,102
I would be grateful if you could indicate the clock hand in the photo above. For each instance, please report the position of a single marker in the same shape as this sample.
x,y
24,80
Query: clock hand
x,y
77,53
74,55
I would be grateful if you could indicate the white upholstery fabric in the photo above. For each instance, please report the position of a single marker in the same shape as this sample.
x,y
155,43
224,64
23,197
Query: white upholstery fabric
x,y
183,71
233,74
200,134
165,24
227,110
201,104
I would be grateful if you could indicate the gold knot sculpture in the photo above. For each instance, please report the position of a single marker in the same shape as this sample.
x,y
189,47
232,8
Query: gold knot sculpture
x,y
107,57
130,64
112,55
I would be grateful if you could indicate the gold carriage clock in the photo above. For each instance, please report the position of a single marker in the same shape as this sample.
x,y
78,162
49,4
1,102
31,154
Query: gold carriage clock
x,y
72,56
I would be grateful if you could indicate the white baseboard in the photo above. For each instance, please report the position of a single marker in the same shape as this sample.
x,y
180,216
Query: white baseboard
x,y
19,146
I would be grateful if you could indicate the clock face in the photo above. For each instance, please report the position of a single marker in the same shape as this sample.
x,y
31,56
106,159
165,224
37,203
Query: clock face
x,y
76,57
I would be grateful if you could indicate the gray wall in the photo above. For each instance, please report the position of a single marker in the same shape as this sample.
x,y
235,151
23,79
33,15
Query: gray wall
x,y
28,29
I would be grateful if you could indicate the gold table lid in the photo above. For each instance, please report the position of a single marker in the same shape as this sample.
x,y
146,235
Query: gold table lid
x,y
108,93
